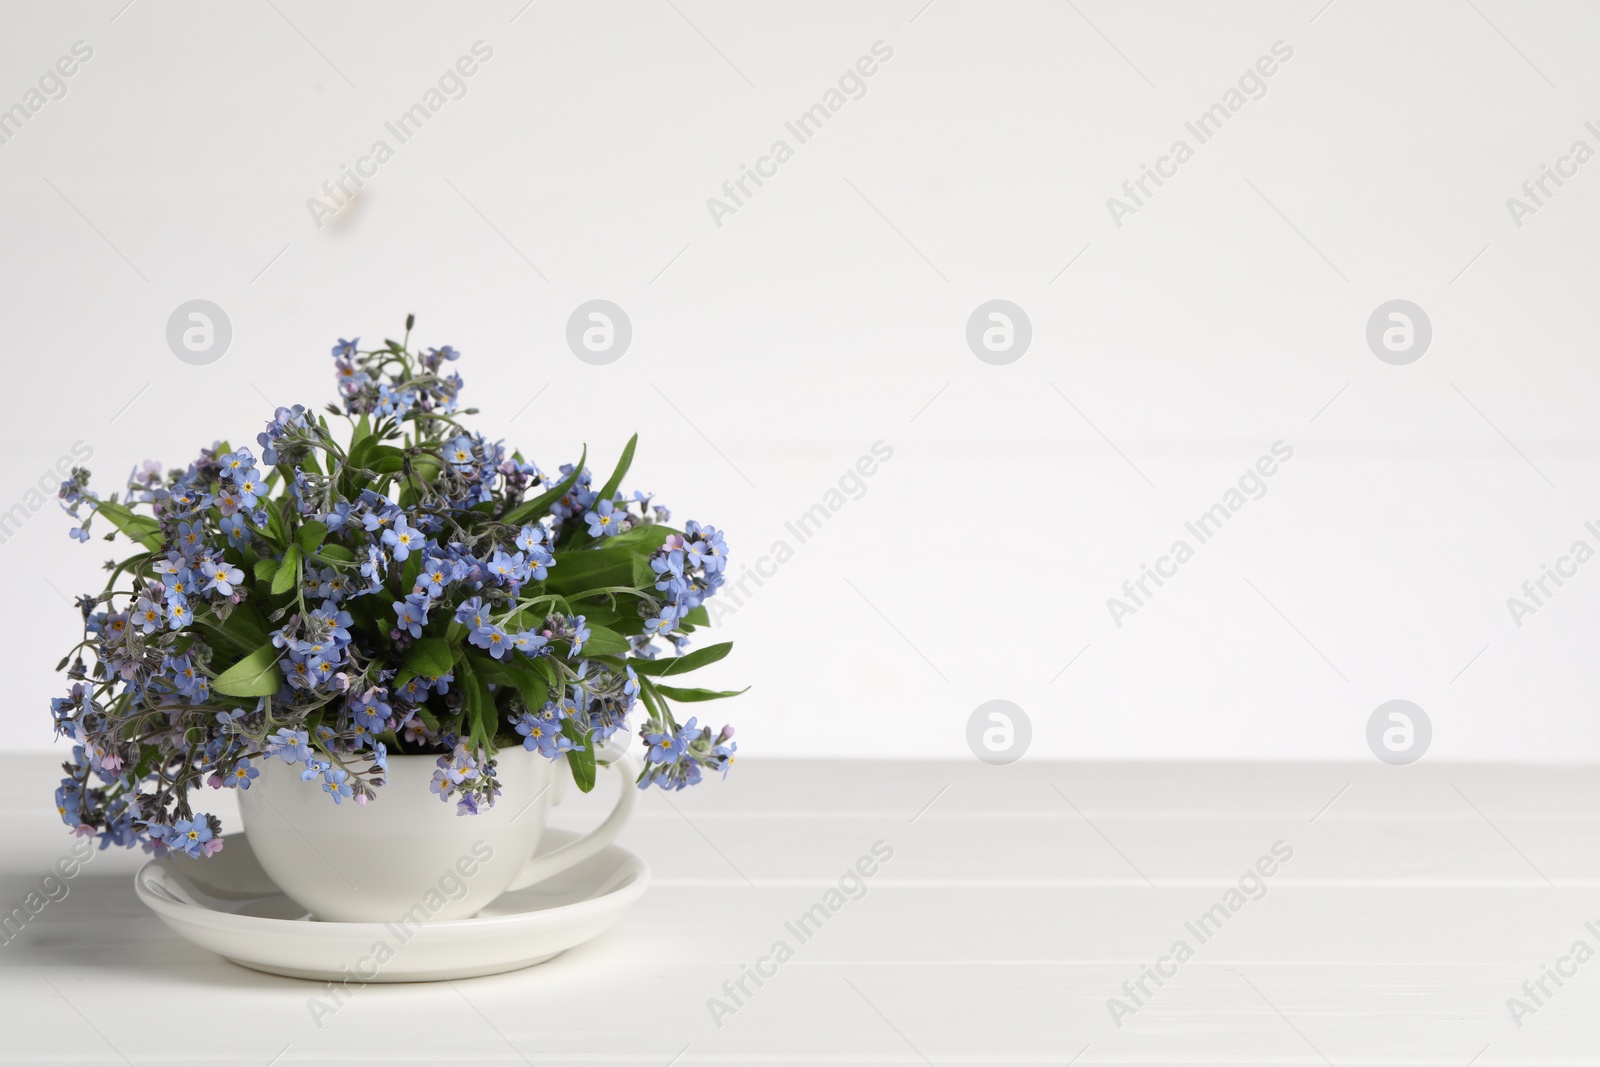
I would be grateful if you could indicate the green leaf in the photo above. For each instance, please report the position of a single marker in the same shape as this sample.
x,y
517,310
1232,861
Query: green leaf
x,y
651,536
386,459
140,528
514,672
584,569
692,661
277,531
430,657
357,456
690,696
410,570
582,763
541,503
265,569
256,675
288,571
698,617
605,642
266,532
311,536
478,703
338,552
622,469
245,624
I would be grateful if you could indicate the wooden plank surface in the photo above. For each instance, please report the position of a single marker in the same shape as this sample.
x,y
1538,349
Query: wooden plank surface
x,y
1017,904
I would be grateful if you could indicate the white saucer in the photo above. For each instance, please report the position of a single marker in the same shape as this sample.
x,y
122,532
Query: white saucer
x,y
228,905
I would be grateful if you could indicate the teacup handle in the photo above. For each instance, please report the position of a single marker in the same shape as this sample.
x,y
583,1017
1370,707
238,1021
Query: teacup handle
x,y
538,868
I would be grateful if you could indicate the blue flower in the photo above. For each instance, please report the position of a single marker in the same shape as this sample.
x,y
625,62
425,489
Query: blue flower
x,y
237,532
241,776
291,746
338,517
459,453
346,349
332,585
297,669
436,573
433,357
412,614
236,462
351,378
662,624
472,613
251,487
370,709
333,783
538,559
78,533
381,514
282,420
508,568
492,638
459,766
670,568
223,576
333,623
322,668
181,671
189,836
403,538
530,538
665,746
542,734
528,642
147,615
179,616
443,784
580,634
69,802
373,569
392,401
711,549
182,585
190,538
604,520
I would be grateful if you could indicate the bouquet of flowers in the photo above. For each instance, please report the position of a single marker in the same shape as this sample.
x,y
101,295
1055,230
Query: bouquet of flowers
x,y
412,588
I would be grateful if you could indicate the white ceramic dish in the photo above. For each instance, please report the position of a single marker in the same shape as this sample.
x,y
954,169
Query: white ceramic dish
x,y
371,863
228,905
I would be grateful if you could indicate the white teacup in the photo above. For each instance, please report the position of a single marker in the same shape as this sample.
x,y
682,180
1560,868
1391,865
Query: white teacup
x,y
406,855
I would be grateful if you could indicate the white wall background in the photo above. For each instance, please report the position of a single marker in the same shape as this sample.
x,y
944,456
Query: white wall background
x,y
823,316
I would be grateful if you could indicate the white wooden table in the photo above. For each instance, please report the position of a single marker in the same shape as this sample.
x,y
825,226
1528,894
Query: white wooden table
x,y
1018,901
